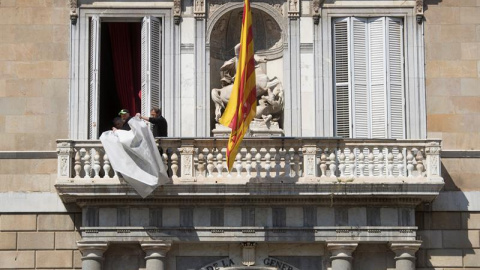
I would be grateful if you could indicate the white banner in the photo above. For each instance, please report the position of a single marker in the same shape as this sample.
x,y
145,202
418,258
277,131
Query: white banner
x,y
135,155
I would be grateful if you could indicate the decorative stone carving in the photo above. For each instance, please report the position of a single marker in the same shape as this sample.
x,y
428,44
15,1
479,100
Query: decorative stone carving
x,y
248,253
187,160
73,11
432,151
310,158
316,10
419,11
270,94
65,155
199,9
177,10
293,8
215,5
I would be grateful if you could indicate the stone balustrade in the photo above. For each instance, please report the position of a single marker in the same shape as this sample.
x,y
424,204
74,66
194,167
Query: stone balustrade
x,y
281,160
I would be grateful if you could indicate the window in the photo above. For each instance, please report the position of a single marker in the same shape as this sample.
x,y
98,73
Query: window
x,y
124,68
368,77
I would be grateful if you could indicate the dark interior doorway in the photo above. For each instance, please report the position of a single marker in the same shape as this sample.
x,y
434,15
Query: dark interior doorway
x,y
120,71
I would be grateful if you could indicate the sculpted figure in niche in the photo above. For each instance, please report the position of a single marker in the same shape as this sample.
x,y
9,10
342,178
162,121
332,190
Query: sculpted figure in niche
x,y
270,98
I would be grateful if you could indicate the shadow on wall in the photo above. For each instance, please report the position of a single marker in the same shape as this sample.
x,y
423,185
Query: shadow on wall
x,y
444,228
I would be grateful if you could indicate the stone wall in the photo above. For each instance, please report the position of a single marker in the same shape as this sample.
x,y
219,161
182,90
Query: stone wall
x,y
34,72
452,42
450,232
36,241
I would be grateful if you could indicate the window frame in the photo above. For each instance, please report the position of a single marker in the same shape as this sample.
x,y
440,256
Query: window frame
x,y
414,70
79,64
376,90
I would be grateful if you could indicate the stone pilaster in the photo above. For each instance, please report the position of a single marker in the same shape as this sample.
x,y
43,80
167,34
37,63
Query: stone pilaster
x,y
156,252
405,254
92,254
341,251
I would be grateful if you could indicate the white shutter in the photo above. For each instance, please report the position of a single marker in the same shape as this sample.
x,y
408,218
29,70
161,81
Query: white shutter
x,y
150,63
341,76
377,77
94,78
360,110
395,77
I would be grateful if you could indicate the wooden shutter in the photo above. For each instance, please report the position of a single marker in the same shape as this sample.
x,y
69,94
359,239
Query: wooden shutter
x,y
360,73
151,68
377,77
395,75
94,76
341,76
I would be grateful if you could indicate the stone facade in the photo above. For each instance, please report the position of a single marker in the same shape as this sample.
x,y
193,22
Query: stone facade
x,y
43,225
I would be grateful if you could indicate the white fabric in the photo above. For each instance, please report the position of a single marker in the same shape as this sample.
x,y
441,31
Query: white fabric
x,y
135,155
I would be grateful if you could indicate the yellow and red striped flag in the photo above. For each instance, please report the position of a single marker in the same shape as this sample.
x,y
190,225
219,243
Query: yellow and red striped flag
x,y
242,105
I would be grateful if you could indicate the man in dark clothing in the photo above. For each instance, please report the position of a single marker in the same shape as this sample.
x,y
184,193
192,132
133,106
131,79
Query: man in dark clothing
x,y
125,115
159,123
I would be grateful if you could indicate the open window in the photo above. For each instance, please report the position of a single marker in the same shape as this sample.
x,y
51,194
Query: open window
x,y
124,69
368,71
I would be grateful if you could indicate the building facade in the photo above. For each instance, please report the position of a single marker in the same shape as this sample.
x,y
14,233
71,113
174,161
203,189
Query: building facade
x,y
367,161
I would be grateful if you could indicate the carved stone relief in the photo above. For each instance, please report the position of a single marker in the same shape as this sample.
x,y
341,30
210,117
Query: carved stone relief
x,y
73,11
199,8
215,5
177,10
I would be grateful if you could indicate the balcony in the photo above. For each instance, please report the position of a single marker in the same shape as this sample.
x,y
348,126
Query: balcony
x,y
275,167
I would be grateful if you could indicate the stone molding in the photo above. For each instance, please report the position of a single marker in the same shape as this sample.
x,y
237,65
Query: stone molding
x,y
92,250
156,249
342,249
227,7
405,250
336,236
324,193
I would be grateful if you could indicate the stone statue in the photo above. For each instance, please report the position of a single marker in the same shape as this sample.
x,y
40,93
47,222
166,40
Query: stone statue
x,y
270,97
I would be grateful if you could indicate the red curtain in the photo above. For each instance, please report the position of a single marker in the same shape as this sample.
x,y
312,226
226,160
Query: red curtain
x,y
125,40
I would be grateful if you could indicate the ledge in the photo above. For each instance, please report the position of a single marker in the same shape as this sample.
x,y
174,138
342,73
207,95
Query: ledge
x,y
256,234
412,192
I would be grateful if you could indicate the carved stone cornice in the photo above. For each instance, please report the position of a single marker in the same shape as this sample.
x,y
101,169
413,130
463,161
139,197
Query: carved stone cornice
x,y
338,238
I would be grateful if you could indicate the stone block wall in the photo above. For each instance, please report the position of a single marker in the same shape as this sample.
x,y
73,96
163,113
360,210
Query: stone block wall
x,y
450,229
34,72
39,241
452,48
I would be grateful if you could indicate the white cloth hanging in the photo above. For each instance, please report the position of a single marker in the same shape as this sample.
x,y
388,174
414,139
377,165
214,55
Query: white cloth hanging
x,y
135,155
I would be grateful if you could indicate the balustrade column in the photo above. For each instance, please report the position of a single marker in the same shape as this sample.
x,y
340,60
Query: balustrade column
x,y
341,258
405,254
92,254
156,252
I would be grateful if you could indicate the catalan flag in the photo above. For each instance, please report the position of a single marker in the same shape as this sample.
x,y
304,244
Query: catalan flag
x,y
242,105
